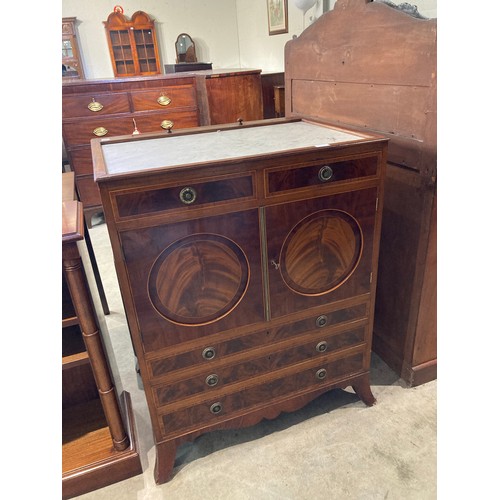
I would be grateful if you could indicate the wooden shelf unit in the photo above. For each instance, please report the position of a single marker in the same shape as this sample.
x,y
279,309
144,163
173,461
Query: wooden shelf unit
x,y
98,445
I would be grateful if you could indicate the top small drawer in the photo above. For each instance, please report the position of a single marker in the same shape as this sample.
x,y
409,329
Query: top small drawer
x,y
149,201
94,104
285,179
178,96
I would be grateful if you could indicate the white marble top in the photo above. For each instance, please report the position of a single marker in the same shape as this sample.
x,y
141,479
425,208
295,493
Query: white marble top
x,y
173,150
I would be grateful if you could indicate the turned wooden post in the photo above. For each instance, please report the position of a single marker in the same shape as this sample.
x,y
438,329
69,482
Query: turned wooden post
x,y
73,231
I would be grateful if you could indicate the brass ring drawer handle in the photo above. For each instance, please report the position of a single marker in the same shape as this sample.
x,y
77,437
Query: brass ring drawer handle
x,y
216,408
212,380
321,321
322,346
100,131
167,125
187,195
95,106
208,353
325,173
321,374
163,100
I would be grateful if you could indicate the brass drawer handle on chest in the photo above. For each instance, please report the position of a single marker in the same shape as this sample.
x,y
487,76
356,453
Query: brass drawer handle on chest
x,y
321,321
95,106
212,380
187,195
167,125
208,353
322,346
321,374
100,131
216,408
325,173
163,100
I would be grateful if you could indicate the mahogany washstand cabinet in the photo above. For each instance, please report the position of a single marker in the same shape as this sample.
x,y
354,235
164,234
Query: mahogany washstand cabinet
x,y
247,261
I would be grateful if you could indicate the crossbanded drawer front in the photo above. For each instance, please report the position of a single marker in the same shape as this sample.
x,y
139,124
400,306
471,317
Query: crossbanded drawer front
x,y
321,174
220,407
164,98
90,105
219,377
163,121
81,132
163,366
178,197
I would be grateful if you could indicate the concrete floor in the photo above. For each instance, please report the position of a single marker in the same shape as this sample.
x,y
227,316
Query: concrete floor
x,y
334,448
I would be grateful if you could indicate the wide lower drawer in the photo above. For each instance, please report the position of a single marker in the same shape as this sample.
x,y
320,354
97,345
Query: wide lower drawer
x,y
80,132
166,120
88,192
214,350
81,160
230,405
224,375
77,132
178,96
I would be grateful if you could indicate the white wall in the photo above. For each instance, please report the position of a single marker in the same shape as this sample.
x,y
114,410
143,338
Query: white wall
x,y
214,30
227,33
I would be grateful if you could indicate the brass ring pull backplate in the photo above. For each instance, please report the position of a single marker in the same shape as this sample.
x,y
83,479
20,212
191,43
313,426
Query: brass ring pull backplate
x,y
208,353
100,131
216,408
322,346
325,173
163,100
187,195
321,321
95,106
212,380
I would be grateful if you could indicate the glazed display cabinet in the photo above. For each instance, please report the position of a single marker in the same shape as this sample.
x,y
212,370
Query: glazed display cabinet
x,y
247,261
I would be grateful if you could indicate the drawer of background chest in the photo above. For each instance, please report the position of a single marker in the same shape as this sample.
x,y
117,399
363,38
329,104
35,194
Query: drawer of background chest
x,y
219,348
81,160
325,173
82,131
179,197
223,405
225,374
90,105
164,98
167,119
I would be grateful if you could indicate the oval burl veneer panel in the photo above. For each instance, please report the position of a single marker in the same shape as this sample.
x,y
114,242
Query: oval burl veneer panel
x,y
321,252
198,279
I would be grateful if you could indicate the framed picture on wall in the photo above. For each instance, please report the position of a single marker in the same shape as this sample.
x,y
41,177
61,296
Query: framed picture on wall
x,y
277,16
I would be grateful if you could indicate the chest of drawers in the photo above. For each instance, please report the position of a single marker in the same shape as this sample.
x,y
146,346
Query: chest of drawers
x,y
105,108
247,261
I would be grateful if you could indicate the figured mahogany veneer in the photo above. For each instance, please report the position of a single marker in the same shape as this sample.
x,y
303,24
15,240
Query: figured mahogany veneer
x,y
247,260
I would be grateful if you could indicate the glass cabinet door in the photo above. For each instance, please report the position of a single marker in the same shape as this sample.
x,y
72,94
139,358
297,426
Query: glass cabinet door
x,y
71,63
132,44
122,52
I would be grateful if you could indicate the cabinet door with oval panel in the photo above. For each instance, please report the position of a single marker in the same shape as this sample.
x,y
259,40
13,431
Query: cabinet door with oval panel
x,y
320,250
195,277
